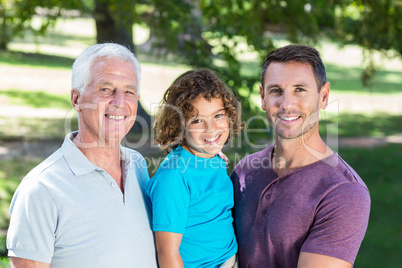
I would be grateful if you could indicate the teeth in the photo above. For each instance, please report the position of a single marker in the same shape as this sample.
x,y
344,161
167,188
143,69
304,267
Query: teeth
x,y
212,139
116,117
290,118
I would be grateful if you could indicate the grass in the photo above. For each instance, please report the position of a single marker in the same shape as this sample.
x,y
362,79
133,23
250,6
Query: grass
x,y
373,125
35,60
37,99
380,169
4,263
347,80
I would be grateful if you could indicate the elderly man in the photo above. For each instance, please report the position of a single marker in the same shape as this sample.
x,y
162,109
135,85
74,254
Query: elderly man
x,y
297,203
83,206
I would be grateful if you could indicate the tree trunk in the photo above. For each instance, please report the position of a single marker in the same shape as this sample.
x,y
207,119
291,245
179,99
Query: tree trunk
x,y
118,28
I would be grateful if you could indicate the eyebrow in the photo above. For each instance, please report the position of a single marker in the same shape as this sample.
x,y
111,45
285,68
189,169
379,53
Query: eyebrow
x,y
299,85
223,109
272,85
213,113
278,86
218,111
106,83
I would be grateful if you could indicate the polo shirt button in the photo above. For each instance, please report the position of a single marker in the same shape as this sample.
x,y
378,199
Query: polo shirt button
x,y
264,212
267,196
113,184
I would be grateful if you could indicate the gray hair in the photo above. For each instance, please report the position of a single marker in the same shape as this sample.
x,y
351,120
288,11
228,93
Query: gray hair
x,y
82,67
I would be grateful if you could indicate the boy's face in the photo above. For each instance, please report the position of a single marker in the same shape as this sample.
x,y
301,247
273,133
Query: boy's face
x,y
207,132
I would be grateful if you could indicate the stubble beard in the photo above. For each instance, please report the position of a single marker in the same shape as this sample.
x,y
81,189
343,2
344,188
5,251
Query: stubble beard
x,y
309,123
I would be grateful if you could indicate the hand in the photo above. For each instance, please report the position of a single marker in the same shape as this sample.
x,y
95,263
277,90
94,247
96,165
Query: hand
x,y
224,157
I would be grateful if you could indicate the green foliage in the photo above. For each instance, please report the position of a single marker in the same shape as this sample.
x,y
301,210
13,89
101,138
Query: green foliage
x,y
16,16
373,24
204,31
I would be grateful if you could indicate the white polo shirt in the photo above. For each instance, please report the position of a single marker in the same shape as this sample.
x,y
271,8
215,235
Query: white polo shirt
x,y
71,213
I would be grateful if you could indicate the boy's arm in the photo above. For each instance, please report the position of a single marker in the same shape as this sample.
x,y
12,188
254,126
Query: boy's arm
x,y
167,246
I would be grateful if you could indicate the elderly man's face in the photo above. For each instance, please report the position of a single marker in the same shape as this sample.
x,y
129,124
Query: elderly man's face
x,y
108,107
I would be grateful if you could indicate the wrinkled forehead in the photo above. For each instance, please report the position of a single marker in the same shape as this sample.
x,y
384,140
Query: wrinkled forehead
x,y
113,72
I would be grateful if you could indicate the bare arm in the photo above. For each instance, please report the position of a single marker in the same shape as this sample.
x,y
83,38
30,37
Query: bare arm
x,y
314,260
25,263
167,246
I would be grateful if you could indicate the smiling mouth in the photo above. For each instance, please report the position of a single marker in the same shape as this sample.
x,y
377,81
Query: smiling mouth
x,y
289,119
115,117
213,140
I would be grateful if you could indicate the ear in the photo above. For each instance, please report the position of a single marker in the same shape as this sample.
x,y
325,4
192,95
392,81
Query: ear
x,y
263,105
324,95
75,95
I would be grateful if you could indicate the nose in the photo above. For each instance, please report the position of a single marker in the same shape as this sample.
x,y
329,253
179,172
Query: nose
x,y
211,125
118,98
287,101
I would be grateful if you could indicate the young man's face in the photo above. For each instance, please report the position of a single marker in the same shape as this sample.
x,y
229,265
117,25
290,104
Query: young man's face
x,y
291,99
207,132
108,107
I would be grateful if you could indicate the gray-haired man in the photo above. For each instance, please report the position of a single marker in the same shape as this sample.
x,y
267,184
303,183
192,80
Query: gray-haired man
x,y
83,206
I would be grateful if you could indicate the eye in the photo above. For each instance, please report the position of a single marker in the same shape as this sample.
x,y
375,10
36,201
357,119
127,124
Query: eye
x,y
299,89
196,121
105,89
219,116
131,92
274,90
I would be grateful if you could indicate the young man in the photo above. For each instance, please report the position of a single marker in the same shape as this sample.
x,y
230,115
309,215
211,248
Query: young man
x,y
83,206
297,203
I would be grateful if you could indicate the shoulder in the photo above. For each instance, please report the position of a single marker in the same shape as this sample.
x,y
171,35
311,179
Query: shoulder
x,y
168,170
256,161
334,172
170,173
349,173
341,188
55,163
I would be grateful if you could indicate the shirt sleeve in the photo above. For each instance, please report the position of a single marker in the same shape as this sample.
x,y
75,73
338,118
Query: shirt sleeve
x,y
169,194
341,223
31,233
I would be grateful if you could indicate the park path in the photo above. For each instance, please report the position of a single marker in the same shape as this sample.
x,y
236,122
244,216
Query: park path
x,y
155,79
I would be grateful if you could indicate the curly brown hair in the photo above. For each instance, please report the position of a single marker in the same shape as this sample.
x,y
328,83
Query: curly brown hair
x,y
176,106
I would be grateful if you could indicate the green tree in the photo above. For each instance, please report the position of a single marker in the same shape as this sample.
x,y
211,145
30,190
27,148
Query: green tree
x,y
200,31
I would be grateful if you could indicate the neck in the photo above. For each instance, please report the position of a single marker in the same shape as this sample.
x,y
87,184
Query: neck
x,y
290,154
106,157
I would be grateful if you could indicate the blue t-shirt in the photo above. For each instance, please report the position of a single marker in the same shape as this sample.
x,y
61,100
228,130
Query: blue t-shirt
x,y
193,196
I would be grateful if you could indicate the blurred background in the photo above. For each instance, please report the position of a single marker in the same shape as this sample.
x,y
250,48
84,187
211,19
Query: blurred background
x,y
360,43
